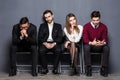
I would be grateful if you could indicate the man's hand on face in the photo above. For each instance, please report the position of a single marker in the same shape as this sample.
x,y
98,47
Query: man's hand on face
x,y
24,32
24,28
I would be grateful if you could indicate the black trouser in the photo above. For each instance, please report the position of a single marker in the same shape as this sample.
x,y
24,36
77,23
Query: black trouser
x,y
56,54
32,49
104,50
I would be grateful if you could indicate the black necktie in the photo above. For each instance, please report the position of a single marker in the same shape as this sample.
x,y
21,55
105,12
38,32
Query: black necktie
x,y
95,27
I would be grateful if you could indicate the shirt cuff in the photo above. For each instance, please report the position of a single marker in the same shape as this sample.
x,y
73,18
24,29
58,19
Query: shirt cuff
x,y
21,38
104,42
55,43
90,43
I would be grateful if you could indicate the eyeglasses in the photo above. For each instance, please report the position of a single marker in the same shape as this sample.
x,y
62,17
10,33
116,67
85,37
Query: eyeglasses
x,y
25,27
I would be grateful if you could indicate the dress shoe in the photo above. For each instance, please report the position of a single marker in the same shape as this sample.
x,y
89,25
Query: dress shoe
x,y
74,71
55,71
88,71
34,74
44,71
12,72
104,71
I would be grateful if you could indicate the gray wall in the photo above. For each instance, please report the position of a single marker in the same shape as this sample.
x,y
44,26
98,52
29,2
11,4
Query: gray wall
x,y
12,10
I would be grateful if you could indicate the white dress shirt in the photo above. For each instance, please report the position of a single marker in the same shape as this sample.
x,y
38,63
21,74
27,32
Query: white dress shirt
x,y
93,25
75,37
50,27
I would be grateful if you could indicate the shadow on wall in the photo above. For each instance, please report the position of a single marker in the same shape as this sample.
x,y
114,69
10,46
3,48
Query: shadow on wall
x,y
7,56
110,45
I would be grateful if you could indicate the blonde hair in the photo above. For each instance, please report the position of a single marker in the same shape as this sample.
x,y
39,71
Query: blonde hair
x,y
68,24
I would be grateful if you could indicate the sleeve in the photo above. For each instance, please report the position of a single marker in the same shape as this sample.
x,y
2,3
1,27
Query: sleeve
x,y
85,35
66,35
65,32
105,34
78,37
15,35
32,36
59,34
41,34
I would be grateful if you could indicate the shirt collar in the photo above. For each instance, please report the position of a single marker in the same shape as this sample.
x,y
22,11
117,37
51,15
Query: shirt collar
x,y
93,25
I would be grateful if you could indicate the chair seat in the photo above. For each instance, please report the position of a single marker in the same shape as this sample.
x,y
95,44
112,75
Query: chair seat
x,y
23,52
24,62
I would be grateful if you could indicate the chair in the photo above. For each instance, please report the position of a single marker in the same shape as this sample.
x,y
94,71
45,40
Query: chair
x,y
95,61
50,60
23,62
65,59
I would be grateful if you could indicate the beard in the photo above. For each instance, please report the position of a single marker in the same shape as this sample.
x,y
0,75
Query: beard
x,y
50,21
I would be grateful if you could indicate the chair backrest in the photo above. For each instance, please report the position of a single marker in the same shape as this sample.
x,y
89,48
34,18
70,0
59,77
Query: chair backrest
x,y
21,52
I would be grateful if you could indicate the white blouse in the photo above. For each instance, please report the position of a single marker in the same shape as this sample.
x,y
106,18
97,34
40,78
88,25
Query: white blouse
x,y
75,37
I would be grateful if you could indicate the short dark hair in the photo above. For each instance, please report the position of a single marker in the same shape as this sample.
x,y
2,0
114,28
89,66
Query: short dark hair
x,y
95,14
23,20
45,12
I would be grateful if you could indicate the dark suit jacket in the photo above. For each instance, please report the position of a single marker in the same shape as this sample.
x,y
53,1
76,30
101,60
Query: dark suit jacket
x,y
32,35
57,33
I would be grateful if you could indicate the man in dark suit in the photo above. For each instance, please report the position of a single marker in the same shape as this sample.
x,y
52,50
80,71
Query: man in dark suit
x,y
23,38
49,39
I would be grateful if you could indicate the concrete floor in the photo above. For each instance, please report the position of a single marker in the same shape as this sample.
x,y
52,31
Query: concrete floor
x,y
50,76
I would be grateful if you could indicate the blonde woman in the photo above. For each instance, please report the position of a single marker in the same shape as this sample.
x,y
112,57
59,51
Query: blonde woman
x,y
73,33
